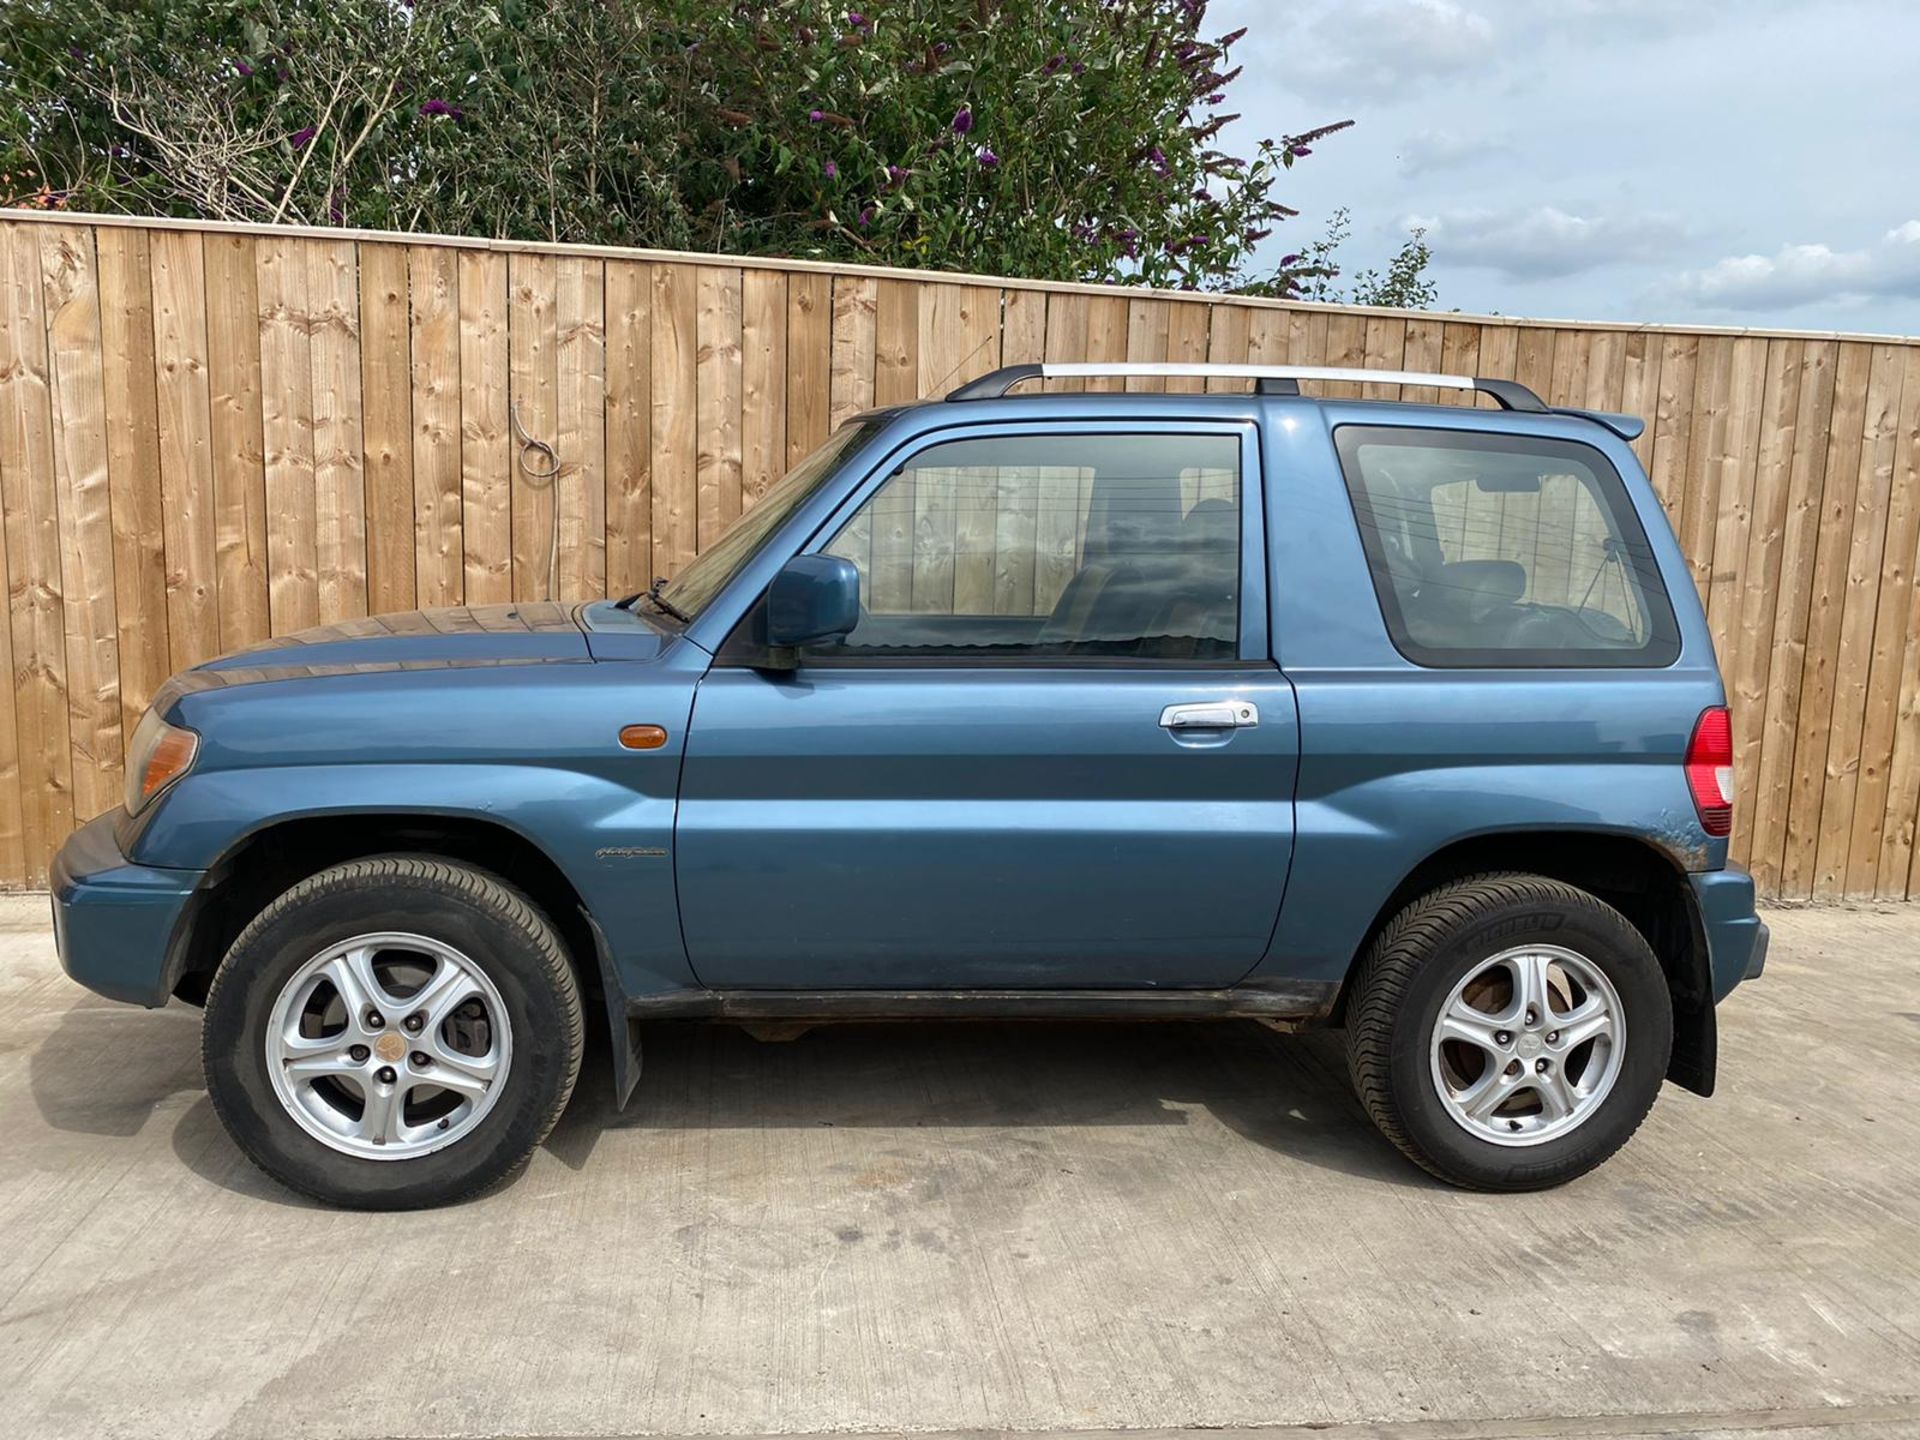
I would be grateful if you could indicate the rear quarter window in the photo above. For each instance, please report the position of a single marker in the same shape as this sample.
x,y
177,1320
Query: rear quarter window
x,y
1491,550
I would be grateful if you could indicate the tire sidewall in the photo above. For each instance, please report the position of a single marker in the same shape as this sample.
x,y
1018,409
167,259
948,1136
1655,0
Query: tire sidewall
x,y
1608,941
304,925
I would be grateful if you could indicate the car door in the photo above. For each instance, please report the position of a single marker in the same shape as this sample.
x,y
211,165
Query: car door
x,y
1054,753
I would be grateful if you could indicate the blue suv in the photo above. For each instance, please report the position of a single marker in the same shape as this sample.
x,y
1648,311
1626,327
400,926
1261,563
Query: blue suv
x,y
1394,717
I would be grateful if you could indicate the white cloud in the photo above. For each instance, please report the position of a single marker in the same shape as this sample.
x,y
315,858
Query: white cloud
x,y
1545,242
1380,49
1796,275
1430,150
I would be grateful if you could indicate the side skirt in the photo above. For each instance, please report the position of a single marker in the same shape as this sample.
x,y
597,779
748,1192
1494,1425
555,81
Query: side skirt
x,y
1297,1001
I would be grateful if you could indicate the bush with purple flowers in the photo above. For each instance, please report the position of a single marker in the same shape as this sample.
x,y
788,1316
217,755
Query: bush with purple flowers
x,y
1072,140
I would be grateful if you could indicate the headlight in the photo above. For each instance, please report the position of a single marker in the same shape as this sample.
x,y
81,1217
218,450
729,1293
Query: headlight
x,y
160,754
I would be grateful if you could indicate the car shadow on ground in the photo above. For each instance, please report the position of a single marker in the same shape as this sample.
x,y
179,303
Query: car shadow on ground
x,y
1289,1093
105,1070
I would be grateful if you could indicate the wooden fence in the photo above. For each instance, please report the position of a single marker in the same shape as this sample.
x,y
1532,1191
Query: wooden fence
x,y
213,434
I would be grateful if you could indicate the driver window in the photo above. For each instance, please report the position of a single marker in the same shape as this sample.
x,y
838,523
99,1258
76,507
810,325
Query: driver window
x,y
1122,546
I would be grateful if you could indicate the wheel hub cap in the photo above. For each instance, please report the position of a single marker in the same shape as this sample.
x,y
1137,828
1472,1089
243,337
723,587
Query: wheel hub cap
x,y
388,1046
1528,1045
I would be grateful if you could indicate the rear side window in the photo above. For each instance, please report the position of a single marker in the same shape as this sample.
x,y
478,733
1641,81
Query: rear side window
x,y
1505,550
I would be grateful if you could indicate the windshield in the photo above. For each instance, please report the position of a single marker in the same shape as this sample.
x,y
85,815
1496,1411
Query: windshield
x,y
693,589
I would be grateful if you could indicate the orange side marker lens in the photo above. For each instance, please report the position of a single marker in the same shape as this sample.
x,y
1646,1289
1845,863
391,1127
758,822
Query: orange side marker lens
x,y
643,737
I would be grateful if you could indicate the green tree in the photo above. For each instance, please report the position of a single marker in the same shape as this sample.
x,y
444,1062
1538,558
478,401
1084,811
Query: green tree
x,y
1057,139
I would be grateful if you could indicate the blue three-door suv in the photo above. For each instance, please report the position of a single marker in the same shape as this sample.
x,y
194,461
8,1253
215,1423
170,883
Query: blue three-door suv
x,y
1402,718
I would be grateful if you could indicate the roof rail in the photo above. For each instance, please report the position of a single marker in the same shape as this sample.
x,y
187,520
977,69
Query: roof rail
x,y
1269,379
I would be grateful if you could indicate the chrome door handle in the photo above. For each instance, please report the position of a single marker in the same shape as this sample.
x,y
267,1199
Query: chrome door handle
x,y
1211,715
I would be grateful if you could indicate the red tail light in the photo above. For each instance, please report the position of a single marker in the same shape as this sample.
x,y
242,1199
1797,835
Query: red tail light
x,y
1710,770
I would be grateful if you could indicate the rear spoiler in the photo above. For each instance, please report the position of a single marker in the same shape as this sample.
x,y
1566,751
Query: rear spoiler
x,y
1628,427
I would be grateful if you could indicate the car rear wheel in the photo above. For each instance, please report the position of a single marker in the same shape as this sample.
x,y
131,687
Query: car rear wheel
x,y
393,1032
1509,1032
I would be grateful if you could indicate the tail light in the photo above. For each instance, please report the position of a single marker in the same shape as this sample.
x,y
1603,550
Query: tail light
x,y
1710,770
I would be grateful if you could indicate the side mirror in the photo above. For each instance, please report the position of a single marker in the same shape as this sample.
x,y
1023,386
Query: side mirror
x,y
813,598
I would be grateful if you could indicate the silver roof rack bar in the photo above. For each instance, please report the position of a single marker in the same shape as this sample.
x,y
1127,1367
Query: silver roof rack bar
x,y
1272,379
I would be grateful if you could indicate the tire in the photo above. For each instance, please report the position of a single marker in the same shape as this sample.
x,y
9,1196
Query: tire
x,y
510,1048
1452,950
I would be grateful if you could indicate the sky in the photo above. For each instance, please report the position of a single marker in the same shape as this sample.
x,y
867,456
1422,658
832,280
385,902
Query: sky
x,y
1725,162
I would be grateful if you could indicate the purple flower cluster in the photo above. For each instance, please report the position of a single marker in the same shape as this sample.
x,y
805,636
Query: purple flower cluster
x,y
962,120
988,160
442,107
302,137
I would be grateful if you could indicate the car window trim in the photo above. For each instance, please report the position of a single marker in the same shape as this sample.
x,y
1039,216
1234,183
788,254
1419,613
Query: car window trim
x,y
1663,648
1254,641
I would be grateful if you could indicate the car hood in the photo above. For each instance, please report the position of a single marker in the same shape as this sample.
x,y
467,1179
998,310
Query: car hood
x,y
531,633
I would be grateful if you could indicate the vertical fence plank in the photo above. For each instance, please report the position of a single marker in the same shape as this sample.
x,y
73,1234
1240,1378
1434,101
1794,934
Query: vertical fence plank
x,y
850,385
1640,387
133,478
1147,337
1672,422
809,362
29,490
672,429
487,452
1903,770
717,402
629,412
1188,325
1768,788
1699,512
436,502
896,380
896,344
1108,317
1766,535
72,299
1824,616
286,380
1267,335
386,385
1422,349
1459,355
1228,342
186,440
1737,464
763,361
1862,582
580,489
339,486
1386,345
1023,327
1891,623
531,339
239,448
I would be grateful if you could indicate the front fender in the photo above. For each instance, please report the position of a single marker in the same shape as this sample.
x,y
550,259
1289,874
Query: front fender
x,y
612,841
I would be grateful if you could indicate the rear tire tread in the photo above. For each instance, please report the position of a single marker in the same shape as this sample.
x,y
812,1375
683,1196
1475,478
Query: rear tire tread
x,y
1402,948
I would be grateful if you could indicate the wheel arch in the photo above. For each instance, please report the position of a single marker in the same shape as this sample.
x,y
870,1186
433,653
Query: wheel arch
x,y
1636,877
266,861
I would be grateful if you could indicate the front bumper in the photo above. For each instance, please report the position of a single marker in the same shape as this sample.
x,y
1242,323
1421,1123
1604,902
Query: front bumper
x,y
116,922
1735,936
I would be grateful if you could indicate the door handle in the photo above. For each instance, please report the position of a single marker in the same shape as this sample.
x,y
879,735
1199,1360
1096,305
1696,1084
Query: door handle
x,y
1211,715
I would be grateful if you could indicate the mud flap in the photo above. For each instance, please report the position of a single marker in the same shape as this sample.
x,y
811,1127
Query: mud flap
x,y
1696,1048
623,1031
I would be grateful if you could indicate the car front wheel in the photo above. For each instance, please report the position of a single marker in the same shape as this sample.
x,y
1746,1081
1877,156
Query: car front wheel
x,y
393,1032
1509,1032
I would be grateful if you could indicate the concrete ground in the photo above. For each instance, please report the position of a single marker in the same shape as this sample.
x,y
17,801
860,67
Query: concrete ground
x,y
974,1227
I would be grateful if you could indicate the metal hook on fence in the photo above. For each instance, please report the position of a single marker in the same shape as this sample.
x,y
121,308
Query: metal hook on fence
x,y
540,476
